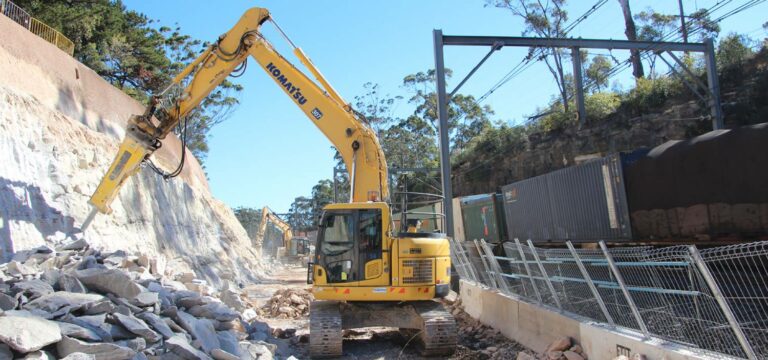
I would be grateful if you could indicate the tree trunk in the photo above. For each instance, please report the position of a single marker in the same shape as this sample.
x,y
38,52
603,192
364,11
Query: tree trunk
x,y
631,32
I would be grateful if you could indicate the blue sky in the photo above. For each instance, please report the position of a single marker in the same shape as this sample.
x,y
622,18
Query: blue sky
x,y
268,152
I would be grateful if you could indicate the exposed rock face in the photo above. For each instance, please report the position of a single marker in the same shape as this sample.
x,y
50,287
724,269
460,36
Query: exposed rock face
x,y
58,135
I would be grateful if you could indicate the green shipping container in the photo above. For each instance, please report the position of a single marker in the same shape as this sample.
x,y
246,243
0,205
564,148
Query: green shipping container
x,y
483,218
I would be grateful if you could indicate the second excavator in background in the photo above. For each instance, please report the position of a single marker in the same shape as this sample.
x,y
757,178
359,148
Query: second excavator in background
x,y
291,250
365,272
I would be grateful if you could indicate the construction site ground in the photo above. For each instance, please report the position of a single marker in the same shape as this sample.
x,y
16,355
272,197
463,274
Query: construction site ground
x,y
290,335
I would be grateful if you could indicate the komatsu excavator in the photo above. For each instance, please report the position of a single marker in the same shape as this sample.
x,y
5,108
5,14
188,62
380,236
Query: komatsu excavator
x,y
292,250
364,272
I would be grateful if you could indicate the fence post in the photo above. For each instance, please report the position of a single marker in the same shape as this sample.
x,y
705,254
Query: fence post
x,y
481,253
527,270
743,341
495,266
591,285
544,274
461,256
624,290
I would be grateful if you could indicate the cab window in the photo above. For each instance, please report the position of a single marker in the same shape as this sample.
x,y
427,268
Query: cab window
x,y
339,230
369,233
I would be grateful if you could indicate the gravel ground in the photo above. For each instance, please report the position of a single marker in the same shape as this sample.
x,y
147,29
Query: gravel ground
x,y
290,335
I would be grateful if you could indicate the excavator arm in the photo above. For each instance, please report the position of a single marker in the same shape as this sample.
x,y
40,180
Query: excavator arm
x,y
268,216
345,128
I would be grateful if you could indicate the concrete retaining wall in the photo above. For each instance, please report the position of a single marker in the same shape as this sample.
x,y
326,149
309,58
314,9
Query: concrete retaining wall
x,y
536,327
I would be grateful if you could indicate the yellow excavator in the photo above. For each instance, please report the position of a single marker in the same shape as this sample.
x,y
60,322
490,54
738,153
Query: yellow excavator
x,y
294,249
364,272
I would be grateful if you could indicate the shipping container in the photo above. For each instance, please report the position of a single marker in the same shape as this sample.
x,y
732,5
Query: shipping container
x,y
483,218
582,203
711,187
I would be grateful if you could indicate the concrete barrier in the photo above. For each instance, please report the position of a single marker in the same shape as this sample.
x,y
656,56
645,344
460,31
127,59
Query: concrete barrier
x,y
536,327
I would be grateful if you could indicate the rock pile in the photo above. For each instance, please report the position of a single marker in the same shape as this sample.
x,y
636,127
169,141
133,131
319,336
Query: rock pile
x,y
563,348
289,303
76,302
476,336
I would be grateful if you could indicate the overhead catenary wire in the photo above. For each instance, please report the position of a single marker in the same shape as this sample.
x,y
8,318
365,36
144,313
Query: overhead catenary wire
x,y
671,36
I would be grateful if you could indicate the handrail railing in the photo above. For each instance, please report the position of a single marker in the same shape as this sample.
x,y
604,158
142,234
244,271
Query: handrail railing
x,y
37,27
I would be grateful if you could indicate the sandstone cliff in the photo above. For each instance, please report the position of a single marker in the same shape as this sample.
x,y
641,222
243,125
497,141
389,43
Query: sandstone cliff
x,y
60,125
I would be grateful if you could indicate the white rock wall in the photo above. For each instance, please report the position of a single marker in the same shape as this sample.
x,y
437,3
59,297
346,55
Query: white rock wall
x,y
60,125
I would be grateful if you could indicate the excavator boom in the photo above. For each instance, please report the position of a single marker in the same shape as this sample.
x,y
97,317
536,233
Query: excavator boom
x,y
356,142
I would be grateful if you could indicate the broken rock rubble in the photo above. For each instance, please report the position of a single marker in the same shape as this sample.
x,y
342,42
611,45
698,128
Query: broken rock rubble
x,y
288,303
76,302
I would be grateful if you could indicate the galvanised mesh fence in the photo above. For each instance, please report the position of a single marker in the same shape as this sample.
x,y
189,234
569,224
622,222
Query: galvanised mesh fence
x,y
715,299
21,17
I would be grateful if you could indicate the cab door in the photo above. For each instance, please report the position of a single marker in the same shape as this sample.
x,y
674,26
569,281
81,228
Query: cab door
x,y
350,246
369,240
337,251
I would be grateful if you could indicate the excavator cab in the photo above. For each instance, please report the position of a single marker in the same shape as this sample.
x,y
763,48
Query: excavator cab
x,y
350,245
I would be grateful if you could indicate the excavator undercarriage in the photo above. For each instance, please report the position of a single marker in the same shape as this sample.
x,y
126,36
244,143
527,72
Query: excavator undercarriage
x,y
432,328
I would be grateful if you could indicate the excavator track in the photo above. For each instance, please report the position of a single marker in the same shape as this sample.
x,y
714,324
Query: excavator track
x,y
325,336
438,335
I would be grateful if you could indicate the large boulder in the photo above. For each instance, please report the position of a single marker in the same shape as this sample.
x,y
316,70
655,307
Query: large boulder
x,y
99,351
201,330
55,301
137,327
111,281
157,323
27,334
214,310
179,346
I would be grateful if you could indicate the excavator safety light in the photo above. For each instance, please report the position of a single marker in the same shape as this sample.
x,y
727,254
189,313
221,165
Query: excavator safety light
x,y
373,196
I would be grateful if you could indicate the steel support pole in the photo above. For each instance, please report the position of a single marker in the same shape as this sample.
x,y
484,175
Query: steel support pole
x,y
714,85
442,114
592,287
627,295
683,26
545,275
527,270
722,302
578,84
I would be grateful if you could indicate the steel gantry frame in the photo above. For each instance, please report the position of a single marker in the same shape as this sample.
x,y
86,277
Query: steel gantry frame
x,y
711,90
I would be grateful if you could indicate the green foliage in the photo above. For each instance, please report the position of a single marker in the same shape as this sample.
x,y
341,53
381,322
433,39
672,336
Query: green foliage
x,y
494,140
300,214
733,50
654,26
598,71
649,94
600,105
135,55
466,118
305,211
250,218
543,19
